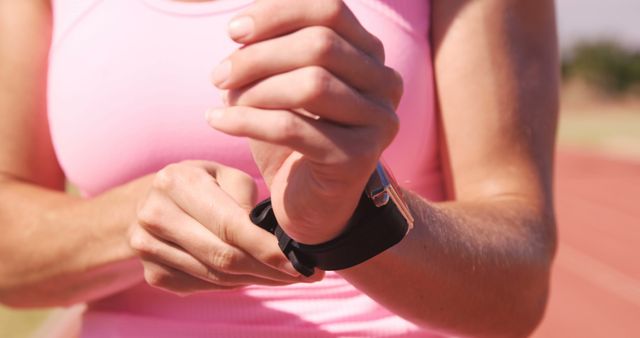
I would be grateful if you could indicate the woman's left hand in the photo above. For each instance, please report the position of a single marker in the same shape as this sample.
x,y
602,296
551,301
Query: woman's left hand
x,y
311,90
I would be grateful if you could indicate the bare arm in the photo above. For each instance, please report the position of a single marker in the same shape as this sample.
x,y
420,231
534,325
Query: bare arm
x,y
56,249
479,265
66,249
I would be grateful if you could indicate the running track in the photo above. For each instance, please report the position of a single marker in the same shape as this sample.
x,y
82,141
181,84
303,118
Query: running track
x,y
596,276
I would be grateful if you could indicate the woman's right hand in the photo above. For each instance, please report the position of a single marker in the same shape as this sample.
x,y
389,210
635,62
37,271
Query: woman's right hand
x,y
193,232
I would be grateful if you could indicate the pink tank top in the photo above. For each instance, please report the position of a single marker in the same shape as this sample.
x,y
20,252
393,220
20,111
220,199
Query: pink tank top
x,y
128,88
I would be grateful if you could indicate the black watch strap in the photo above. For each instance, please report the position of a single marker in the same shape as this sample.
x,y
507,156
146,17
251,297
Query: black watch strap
x,y
371,230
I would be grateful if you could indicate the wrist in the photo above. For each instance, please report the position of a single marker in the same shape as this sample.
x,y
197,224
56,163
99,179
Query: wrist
x,y
121,205
320,219
380,221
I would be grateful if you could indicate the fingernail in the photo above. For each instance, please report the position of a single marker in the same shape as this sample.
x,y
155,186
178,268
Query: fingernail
x,y
221,73
289,269
241,27
213,114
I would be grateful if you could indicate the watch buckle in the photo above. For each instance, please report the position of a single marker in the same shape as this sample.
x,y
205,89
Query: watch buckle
x,y
380,189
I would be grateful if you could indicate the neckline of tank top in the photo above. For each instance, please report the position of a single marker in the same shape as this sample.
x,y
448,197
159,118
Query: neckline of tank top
x,y
196,8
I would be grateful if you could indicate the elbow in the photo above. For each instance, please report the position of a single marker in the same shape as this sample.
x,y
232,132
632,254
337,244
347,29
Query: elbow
x,y
518,308
511,298
10,293
19,295
11,297
22,300
512,308
535,302
525,300
7,288
529,313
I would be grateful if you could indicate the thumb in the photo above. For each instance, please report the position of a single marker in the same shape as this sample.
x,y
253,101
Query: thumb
x,y
268,158
238,185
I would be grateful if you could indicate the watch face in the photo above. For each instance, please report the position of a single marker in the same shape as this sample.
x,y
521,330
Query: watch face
x,y
382,188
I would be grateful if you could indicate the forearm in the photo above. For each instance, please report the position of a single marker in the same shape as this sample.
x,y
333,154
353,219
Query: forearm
x,y
478,268
64,249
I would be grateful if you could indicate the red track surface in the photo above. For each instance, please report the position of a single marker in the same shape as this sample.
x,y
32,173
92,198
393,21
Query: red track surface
x,y
596,276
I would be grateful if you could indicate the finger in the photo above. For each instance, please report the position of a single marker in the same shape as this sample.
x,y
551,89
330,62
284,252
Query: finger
x,y
317,91
318,140
201,242
175,281
267,19
269,158
240,186
309,46
153,249
210,206
229,179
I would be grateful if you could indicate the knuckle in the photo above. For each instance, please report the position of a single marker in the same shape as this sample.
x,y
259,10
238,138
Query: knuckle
x,y
150,216
165,179
157,277
177,175
387,126
318,82
138,241
149,248
396,86
289,129
223,260
324,42
332,10
378,47
392,126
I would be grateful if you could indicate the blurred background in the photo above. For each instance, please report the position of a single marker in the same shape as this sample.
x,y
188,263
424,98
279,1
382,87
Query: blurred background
x,y
596,278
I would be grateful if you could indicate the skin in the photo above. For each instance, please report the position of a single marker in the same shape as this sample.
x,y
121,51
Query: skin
x,y
477,265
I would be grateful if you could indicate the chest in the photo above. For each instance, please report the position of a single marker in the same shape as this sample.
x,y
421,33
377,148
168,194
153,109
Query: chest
x,y
129,85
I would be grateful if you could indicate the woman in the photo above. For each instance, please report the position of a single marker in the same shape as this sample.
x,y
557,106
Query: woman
x,y
316,90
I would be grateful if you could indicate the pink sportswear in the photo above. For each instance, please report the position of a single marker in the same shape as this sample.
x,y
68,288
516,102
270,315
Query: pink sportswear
x,y
128,88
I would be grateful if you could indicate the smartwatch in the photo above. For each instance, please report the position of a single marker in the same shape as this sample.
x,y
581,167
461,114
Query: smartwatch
x,y
381,220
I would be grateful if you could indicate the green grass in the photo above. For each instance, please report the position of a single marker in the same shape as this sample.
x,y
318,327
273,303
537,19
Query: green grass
x,y
611,131
20,323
